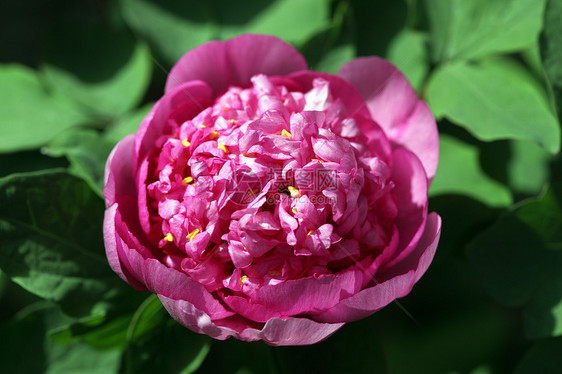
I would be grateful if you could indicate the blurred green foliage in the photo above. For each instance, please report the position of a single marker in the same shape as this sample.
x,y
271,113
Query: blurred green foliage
x,y
77,76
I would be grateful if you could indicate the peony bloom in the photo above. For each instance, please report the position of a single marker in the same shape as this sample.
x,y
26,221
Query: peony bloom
x,y
261,200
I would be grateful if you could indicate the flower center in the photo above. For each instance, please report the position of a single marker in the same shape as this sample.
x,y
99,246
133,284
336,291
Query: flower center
x,y
268,185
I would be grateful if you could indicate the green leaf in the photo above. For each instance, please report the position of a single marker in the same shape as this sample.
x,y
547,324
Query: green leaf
x,y
51,234
477,28
527,168
3,283
106,73
157,343
26,161
544,357
291,20
148,316
32,115
494,99
233,356
99,332
376,23
174,27
22,340
551,50
78,358
408,52
337,354
543,315
128,124
25,347
519,261
87,152
520,164
468,180
333,60
452,342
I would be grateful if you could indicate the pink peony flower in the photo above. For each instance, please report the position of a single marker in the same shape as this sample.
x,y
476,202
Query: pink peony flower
x,y
261,200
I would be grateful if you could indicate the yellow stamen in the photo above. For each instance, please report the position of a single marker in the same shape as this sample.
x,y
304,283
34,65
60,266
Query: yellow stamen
x,y
214,134
249,154
186,143
187,180
294,191
308,234
192,234
294,210
202,126
286,134
232,121
243,279
225,109
223,147
169,237
254,191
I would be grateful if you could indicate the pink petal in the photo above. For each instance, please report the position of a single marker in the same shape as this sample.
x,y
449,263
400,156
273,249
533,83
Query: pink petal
x,y
296,331
176,285
421,137
411,199
395,283
113,249
194,319
222,64
119,171
252,311
309,295
394,105
291,331
340,89
180,104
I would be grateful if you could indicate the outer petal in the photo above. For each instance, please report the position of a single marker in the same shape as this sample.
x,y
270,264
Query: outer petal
x,y
296,331
113,247
291,331
119,171
374,298
175,285
394,105
411,200
221,64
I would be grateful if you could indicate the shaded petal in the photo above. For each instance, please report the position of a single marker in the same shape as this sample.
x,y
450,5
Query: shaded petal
x,y
194,319
176,285
390,286
411,199
277,331
394,105
295,331
235,61
113,249
119,171
250,310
